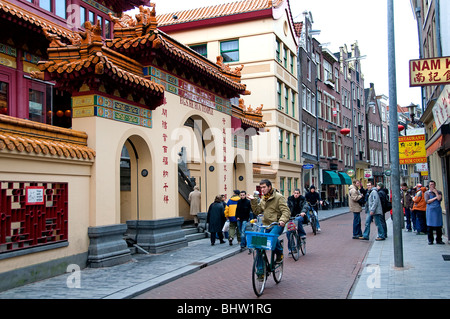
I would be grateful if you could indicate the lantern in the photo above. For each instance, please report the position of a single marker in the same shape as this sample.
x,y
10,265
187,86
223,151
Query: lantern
x,y
59,113
345,131
401,128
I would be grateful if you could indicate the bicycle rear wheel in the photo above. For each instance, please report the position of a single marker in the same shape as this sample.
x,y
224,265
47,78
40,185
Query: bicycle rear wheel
x,y
302,245
259,272
294,245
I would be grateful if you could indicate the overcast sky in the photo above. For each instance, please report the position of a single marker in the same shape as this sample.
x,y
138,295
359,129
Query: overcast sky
x,y
346,21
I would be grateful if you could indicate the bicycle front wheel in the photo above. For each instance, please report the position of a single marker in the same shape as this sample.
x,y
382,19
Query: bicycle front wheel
x,y
278,271
293,245
259,273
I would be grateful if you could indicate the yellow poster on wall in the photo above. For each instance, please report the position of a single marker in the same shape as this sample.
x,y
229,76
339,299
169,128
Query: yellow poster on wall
x,y
412,149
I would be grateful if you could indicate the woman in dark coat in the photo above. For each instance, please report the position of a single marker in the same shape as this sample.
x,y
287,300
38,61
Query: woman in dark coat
x,y
216,219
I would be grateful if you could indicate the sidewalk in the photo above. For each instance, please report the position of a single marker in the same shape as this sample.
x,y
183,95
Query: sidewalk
x,y
424,275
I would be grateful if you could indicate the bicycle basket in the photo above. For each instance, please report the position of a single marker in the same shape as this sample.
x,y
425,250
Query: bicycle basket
x,y
291,226
266,241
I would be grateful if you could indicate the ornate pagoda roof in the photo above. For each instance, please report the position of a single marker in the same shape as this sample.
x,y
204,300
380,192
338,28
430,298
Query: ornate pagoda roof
x,y
140,39
87,61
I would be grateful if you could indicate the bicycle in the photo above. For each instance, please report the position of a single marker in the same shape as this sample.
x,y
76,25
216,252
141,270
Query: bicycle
x,y
312,217
262,267
295,242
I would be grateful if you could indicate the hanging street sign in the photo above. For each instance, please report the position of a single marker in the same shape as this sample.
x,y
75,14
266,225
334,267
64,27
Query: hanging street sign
x,y
432,71
412,149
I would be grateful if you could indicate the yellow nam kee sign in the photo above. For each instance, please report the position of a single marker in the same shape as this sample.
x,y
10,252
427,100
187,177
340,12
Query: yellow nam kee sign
x,y
412,149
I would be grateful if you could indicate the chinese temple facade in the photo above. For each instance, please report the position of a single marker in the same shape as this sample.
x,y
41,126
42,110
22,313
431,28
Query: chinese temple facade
x,y
106,125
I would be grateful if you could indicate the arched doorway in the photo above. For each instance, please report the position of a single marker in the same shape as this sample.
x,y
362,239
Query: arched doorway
x,y
135,180
197,164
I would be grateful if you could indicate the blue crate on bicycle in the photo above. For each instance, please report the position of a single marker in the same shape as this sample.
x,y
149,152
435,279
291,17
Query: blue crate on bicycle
x,y
257,240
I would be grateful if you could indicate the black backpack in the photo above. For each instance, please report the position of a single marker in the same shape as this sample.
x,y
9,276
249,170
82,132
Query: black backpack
x,y
385,203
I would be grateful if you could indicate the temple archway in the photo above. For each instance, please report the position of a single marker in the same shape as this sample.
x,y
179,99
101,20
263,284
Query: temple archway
x,y
196,163
136,180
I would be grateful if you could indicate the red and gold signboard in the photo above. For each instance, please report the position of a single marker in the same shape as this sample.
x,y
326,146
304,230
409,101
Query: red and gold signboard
x,y
412,149
433,71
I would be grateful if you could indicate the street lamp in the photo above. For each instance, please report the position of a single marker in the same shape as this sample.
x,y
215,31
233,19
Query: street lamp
x,y
412,113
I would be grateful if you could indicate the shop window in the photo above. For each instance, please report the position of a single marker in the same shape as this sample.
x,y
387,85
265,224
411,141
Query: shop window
x,y
4,97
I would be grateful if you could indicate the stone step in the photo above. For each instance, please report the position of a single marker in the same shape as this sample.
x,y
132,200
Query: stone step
x,y
196,236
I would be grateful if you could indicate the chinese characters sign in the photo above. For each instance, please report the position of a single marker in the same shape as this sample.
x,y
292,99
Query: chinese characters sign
x,y
434,71
412,149
441,111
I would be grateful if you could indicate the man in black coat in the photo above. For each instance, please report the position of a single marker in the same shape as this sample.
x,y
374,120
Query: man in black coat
x,y
216,220
295,203
243,210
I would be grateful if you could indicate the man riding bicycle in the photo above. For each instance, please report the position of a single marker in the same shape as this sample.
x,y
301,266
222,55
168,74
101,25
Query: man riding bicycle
x,y
313,198
295,203
273,206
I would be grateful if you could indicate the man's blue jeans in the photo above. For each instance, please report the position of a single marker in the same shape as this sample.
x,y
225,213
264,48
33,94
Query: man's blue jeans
x,y
378,223
242,225
410,217
357,225
277,230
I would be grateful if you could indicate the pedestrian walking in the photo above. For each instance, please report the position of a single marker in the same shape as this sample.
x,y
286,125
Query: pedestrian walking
x,y
407,204
274,207
420,207
243,210
195,199
230,214
216,219
355,207
433,197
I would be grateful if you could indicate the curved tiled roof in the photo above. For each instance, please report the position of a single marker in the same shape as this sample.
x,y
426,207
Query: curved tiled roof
x,y
158,40
32,137
102,66
216,11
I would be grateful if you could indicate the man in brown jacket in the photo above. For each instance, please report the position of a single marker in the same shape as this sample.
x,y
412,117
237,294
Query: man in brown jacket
x,y
354,207
275,209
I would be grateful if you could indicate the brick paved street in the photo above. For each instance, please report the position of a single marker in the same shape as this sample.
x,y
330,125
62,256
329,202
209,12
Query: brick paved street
x,y
328,270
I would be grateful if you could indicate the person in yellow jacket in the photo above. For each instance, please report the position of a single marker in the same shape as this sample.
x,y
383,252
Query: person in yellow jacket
x,y
275,209
230,214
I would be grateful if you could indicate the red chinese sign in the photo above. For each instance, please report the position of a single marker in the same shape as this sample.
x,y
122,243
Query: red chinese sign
x,y
433,71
